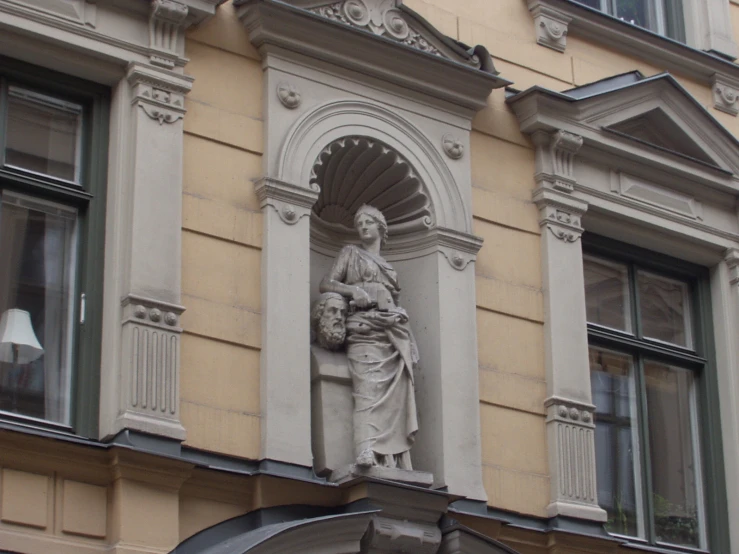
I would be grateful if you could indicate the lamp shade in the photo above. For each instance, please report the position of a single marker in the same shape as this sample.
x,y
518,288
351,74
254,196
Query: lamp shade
x,y
16,329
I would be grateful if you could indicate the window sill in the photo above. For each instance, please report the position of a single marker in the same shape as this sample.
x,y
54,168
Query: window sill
x,y
556,19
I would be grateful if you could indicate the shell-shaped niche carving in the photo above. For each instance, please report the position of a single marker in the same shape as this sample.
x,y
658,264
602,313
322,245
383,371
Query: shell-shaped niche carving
x,y
358,170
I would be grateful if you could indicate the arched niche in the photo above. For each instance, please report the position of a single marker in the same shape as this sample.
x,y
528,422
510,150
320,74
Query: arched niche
x,y
407,179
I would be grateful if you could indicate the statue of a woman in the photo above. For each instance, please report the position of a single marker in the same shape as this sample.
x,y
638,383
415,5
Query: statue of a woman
x,y
380,347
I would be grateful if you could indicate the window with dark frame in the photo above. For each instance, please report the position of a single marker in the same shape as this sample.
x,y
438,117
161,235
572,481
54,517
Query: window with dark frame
x,y
664,17
647,361
53,147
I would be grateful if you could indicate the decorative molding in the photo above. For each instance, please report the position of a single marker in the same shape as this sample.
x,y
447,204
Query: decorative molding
x,y
731,257
555,155
160,95
152,345
166,25
571,432
725,93
560,213
380,17
291,202
642,192
453,147
289,95
395,535
550,25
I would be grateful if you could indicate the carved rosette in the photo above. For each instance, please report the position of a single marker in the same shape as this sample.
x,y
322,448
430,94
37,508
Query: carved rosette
x,y
161,97
151,342
166,25
380,17
725,94
550,25
453,147
289,95
571,431
291,202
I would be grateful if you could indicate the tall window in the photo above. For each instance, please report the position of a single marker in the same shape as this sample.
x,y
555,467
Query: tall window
x,y
646,362
664,17
51,201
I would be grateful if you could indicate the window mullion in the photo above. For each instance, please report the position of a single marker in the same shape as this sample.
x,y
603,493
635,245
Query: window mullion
x,y
3,118
646,460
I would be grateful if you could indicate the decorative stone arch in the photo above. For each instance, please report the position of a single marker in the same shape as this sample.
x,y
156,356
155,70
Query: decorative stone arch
x,y
326,77
332,121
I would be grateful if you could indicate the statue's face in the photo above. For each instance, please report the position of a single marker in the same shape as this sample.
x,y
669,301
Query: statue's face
x,y
368,228
332,325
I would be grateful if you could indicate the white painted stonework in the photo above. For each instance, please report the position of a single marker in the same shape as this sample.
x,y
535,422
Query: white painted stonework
x,y
407,93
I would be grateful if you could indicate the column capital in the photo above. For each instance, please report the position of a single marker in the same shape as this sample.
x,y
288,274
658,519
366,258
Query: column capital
x,y
291,202
560,212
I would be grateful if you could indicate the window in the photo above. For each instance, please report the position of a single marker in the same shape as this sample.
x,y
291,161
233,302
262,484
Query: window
x,y
664,17
52,141
647,361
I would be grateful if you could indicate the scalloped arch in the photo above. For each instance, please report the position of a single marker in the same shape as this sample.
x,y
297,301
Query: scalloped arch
x,y
330,122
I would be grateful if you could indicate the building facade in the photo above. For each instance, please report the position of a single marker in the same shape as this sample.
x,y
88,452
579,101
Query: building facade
x,y
559,181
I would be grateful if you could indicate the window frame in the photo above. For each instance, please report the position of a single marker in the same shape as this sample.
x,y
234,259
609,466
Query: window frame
x,y
701,359
88,196
657,12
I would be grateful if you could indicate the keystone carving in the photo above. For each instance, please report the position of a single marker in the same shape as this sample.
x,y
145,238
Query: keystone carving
x,y
550,25
725,94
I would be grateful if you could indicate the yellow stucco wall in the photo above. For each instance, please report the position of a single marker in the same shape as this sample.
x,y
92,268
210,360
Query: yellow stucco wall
x,y
221,240
222,237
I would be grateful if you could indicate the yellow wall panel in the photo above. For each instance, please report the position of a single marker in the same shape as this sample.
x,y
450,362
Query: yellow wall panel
x,y
440,17
229,432
506,210
508,255
507,434
514,391
218,124
221,271
502,167
26,498
220,375
517,491
84,509
221,322
214,218
225,80
510,344
508,298
197,514
220,173
224,31
498,120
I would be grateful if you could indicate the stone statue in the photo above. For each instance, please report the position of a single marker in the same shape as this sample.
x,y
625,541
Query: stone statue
x,y
328,320
380,347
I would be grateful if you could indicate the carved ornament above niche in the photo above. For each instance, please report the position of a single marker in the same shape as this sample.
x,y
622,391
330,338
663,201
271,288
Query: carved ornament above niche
x,y
381,17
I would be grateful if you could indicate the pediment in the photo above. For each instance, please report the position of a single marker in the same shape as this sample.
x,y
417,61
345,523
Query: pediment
x,y
392,20
648,117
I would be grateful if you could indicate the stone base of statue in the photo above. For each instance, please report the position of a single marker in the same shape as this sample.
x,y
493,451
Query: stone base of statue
x,y
353,471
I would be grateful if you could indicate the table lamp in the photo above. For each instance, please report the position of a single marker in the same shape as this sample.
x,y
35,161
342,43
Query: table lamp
x,y
18,342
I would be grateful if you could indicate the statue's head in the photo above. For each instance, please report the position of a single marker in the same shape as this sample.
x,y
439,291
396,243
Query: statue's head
x,y
328,320
374,214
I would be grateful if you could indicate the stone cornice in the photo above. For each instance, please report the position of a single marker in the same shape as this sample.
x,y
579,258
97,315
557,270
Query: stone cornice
x,y
641,43
279,26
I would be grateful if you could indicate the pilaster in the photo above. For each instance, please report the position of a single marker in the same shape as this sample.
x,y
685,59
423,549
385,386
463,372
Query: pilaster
x,y
284,362
142,393
570,436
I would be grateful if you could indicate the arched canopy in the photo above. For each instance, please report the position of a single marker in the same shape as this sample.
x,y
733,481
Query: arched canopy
x,y
333,122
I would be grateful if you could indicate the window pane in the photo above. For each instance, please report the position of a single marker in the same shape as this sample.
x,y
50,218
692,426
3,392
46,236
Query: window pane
x,y
37,246
616,441
675,20
665,309
673,450
636,12
592,3
607,294
43,134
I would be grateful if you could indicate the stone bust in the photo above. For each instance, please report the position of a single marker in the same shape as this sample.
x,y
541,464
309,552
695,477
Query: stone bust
x,y
380,347
328,320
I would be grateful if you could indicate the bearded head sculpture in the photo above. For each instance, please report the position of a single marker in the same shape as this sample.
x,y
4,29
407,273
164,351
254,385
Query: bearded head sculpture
x,y
328,320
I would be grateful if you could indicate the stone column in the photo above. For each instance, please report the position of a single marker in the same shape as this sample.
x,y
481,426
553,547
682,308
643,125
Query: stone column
x,y
285,371
143,264
570,428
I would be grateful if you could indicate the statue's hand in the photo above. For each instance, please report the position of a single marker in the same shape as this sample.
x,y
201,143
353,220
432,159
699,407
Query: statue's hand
x,y
361,298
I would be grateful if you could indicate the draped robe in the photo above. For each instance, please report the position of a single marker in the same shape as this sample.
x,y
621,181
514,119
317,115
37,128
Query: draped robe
x,y
382,353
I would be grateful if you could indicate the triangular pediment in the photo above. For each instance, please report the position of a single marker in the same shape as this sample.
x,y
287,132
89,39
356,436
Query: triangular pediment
x,y
646,117
392,20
